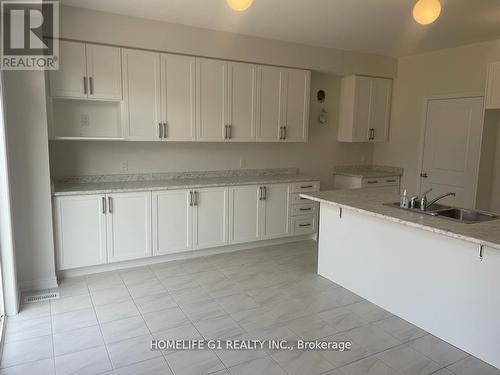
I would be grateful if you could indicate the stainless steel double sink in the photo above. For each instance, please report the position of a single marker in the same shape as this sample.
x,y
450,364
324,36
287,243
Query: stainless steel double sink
x,y
462,215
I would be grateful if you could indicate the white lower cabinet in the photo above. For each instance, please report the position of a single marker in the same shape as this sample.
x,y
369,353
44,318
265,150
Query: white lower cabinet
x,y
210,217
99,229
128,226
275,211
244,213
80,230
172,222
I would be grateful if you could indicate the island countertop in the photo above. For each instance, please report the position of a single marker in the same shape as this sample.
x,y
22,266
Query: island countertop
x,y
372,203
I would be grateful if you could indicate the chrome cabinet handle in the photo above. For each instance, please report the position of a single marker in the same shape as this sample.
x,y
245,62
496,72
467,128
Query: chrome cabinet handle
x,y
104,205
306,187
191,198
160,132
304,225
165,130
284,132
91,82
424,175
195,194
264,189
225,131
305,209
260,193
85,85
371,136
372,182
390,180
110,205
229,132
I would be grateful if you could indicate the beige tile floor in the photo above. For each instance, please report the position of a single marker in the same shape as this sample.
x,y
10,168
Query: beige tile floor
x,y
103,324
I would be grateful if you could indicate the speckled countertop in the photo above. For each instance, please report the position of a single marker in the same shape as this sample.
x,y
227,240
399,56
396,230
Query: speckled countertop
x,y
368,171
105,184
372,203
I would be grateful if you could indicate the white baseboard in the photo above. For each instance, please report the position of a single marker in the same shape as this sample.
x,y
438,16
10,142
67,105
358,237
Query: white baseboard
x,y
179,256
39,284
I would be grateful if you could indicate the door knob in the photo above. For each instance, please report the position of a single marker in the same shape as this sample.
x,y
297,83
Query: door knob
x,y
424,175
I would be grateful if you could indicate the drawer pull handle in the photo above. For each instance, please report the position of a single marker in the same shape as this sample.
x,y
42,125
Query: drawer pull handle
x,y
372,182
304,225
390,180
305,209
306,187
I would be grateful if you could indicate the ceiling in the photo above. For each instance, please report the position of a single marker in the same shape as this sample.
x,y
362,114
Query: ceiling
x,y
382,27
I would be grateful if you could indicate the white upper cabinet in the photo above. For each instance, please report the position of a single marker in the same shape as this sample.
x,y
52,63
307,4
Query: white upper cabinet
x,y
104,70
70,81
275,211
245,209
211,87
172,222
128,226
271,87
141,78
87,71
296,112
241,102
210,217
178,97
364,109
80,230
493,86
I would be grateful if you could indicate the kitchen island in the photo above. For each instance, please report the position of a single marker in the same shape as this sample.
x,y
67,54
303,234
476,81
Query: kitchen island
x,y
438,274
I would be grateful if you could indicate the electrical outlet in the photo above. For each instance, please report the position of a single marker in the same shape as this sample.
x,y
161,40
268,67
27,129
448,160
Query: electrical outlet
x,y
243,163
84,120
124,166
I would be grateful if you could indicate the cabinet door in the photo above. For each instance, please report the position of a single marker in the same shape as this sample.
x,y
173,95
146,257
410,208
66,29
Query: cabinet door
x,y
69,80
271,87
172,222
380,108
244,214
493,86
129,226
362,116
242,98
80,229
210,217
141,75
178,97
104,70
211,90
296,121
275,213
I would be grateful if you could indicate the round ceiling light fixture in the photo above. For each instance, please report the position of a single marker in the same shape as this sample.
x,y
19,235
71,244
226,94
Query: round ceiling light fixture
x,y
426,11
239,5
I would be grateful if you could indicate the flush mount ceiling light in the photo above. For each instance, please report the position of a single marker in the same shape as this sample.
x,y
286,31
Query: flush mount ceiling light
x,y
239,5
426,11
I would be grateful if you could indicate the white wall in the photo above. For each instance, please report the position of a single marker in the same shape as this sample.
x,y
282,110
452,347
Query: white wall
x,y
449,71
94,26
27,151
317,157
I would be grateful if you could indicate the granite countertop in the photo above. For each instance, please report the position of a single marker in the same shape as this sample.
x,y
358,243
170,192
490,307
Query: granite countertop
x,y
105,184
372,203
368,171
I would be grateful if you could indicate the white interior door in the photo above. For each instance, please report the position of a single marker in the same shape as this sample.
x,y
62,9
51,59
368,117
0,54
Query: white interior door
x,y
452,147
297,105
129,226
141,76
80,231
104,68
178,97
275,213
69,80
211,89
210,217
172,222
244,214
271,82
242,98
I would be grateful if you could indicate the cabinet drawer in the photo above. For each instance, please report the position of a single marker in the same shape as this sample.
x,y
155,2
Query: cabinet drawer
x,y
304,209
304,224
384,181
305,187
296,199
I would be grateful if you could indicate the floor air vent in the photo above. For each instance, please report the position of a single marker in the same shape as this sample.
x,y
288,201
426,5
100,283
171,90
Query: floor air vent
x,y
41,297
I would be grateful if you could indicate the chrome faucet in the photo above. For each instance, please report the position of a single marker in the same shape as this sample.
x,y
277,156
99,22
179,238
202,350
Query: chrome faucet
x,y
425,204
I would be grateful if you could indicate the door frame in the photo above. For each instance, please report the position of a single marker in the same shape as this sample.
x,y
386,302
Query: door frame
x,y
423,128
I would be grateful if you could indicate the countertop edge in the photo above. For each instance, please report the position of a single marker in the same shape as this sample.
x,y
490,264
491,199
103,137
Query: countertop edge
x,y
405,222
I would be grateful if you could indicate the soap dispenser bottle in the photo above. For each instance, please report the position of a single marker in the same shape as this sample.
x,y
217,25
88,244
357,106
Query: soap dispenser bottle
x,y
403,200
